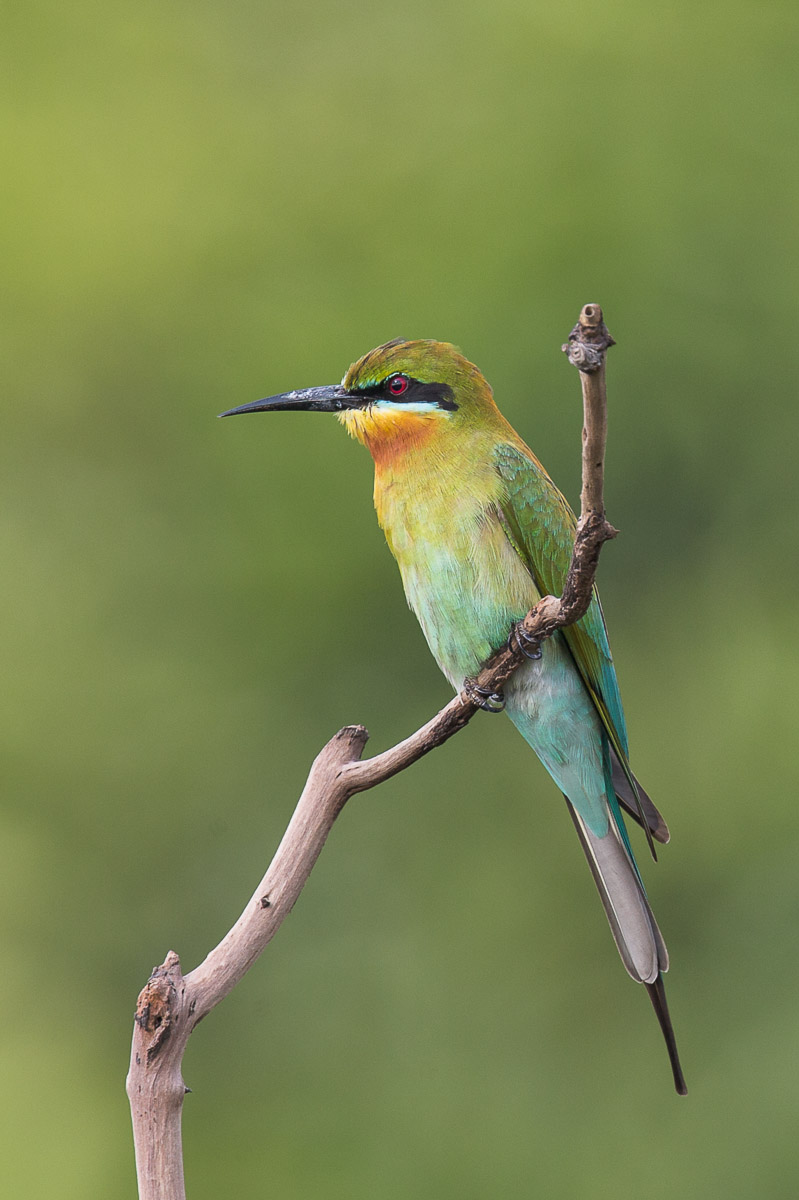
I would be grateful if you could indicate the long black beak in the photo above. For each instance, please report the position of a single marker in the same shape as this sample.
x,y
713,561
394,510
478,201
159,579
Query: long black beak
x,y
317,399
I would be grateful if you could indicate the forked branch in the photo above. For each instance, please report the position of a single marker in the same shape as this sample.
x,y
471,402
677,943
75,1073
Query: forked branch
x,y
171,1004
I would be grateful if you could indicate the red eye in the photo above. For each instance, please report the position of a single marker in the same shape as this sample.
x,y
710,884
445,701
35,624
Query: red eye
x,y
398,384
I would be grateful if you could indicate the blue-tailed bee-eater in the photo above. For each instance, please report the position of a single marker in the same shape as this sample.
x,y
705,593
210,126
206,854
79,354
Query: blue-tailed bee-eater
x,y
480,533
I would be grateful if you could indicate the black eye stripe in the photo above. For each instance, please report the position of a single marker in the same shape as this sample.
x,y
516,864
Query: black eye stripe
x,y
415,392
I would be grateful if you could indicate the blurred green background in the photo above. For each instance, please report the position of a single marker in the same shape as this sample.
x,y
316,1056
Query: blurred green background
x,y
204,203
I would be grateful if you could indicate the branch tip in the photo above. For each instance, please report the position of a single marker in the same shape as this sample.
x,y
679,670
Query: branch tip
x,y
591,317
589,340
355,736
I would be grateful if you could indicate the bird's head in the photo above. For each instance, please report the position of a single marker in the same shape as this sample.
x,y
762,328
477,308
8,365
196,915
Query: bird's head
x,y
399,395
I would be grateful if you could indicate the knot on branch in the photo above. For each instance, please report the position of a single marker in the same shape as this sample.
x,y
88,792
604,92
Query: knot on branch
x,y
583,356
546,612
156,1004
595,527
588,341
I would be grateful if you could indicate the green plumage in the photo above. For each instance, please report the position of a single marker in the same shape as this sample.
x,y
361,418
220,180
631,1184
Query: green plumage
x,y
480,533
542,527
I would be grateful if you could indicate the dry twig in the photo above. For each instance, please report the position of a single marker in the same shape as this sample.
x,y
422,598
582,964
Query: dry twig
x,y
171,1004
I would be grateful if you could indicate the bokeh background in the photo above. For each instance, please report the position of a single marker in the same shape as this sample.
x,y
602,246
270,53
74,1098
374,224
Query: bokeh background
x,y
204,203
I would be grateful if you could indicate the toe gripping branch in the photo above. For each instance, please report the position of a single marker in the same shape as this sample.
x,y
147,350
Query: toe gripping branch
x,y
494,701
529,646
490,702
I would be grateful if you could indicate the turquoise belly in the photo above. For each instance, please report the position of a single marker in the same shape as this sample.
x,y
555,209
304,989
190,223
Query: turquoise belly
x,y
466,605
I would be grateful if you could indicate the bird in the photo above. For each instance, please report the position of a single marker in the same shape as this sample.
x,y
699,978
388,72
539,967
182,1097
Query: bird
x,y
480,533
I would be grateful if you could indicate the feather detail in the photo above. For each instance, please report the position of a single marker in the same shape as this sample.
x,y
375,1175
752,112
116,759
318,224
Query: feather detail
x,y
631,920
657,826
657,994
540,526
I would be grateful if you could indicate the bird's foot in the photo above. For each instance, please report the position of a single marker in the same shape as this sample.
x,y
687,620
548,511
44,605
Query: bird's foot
x,y
529,646
490,702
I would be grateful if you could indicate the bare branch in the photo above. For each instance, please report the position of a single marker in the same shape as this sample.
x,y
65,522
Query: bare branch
x,y
171,1005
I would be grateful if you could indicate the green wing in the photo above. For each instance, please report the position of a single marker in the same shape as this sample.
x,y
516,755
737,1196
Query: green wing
x,y
541,527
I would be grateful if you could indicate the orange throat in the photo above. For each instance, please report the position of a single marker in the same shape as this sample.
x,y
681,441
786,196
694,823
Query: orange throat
x,y
389,434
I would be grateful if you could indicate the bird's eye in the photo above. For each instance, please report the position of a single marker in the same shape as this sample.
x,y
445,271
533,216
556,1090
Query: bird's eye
x,y
398,384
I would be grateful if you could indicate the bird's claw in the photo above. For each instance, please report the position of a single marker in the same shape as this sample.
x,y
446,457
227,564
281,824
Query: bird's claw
x,y
523,643
490,702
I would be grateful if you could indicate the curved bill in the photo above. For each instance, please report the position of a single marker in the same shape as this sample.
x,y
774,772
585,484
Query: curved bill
x,y
316,399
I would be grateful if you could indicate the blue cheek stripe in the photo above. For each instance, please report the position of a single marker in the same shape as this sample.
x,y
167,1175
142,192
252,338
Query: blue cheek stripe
x,y
414,406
